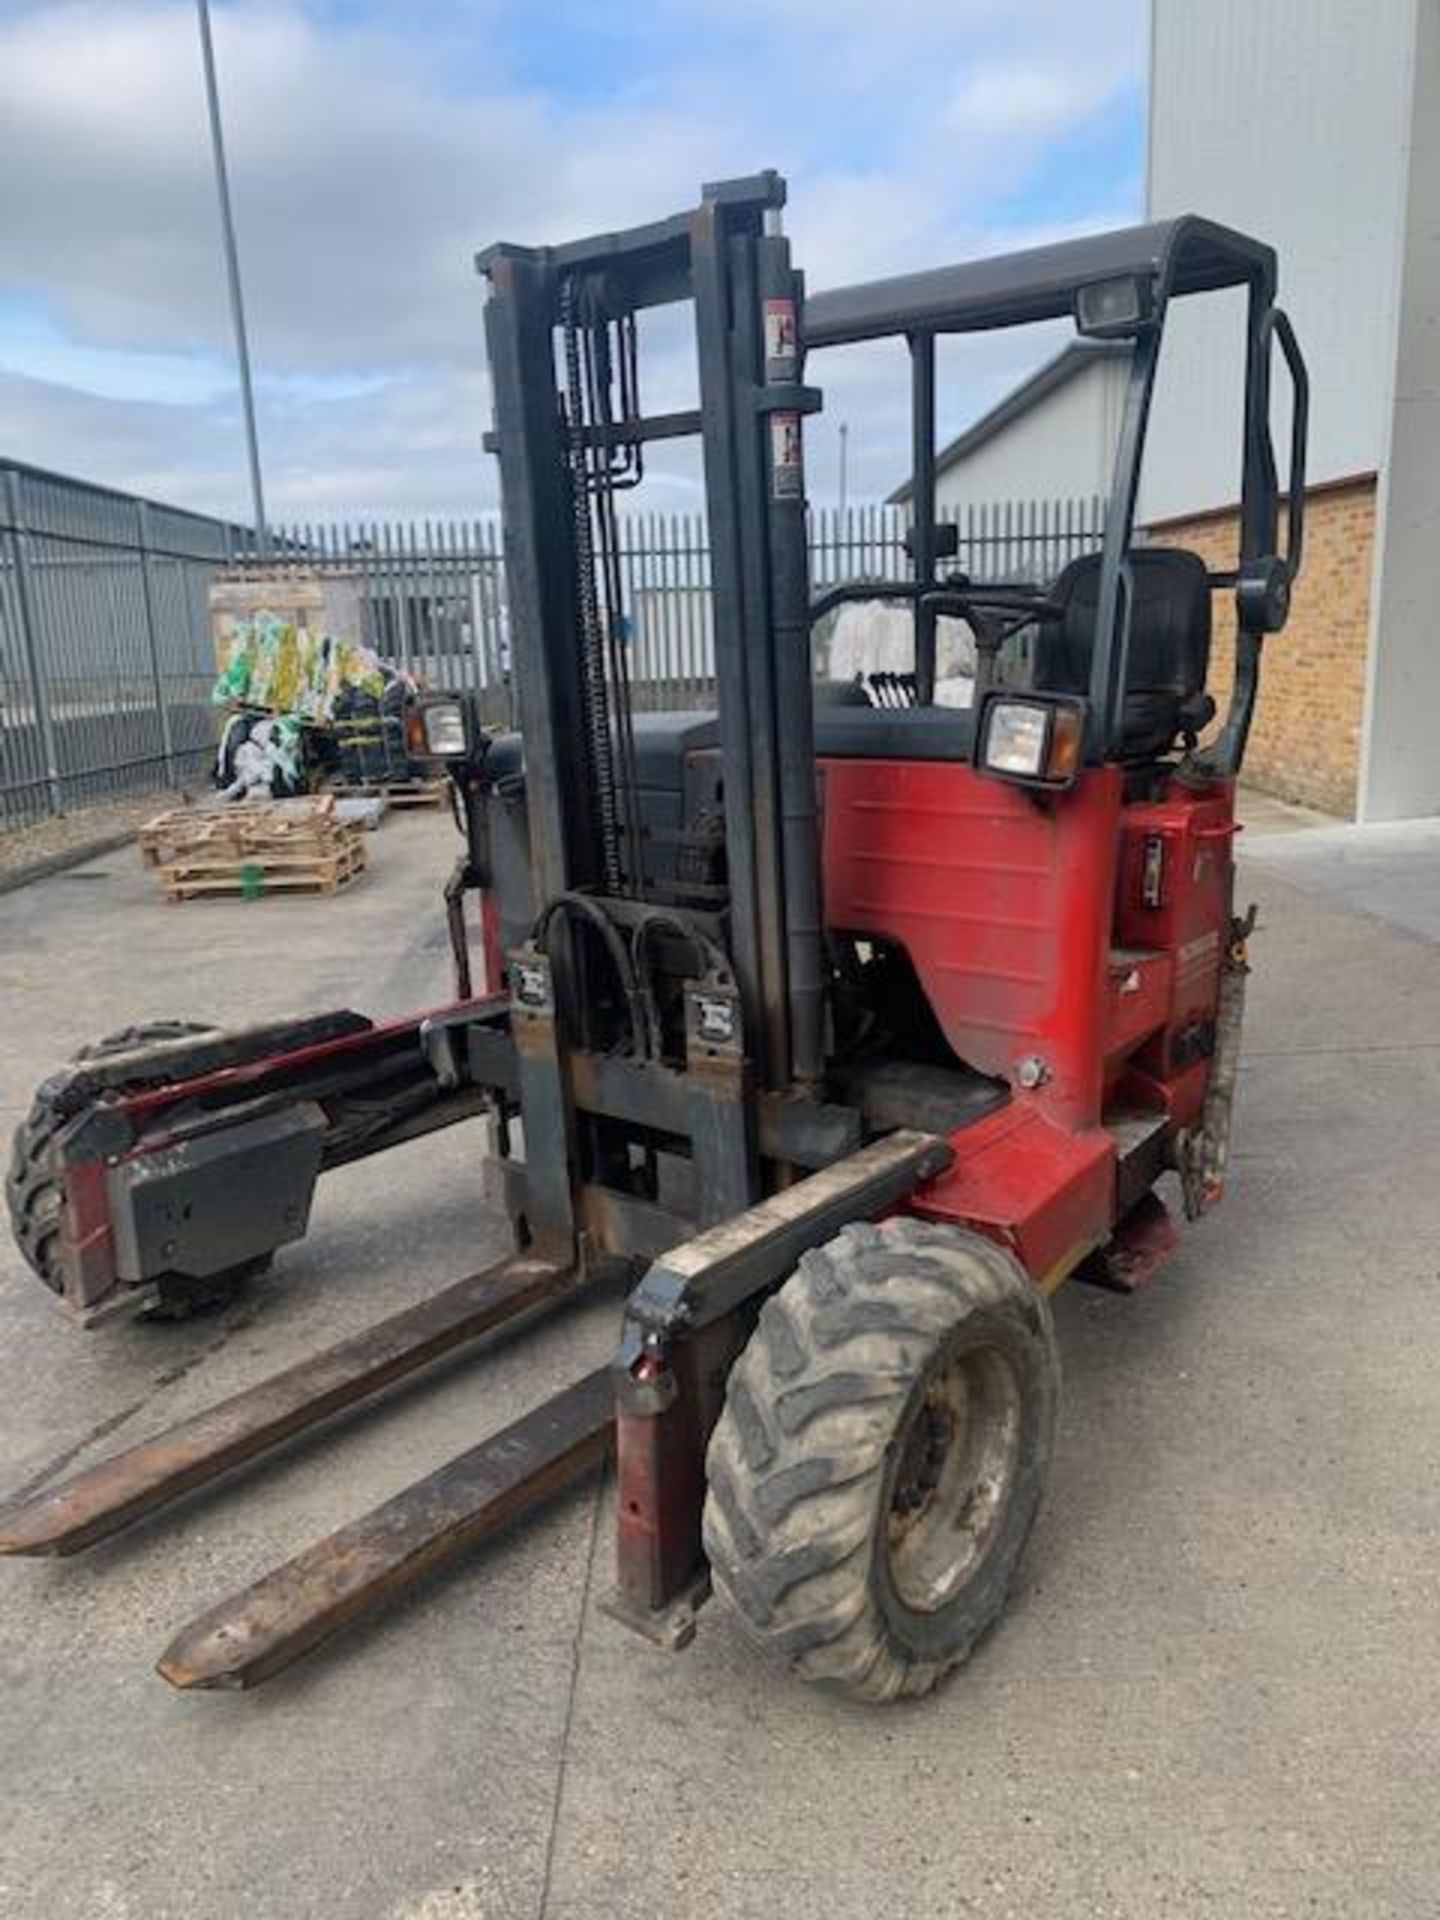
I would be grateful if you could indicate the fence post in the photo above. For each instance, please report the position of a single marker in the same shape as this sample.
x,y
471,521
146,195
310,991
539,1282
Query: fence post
x,y
25,599
152,642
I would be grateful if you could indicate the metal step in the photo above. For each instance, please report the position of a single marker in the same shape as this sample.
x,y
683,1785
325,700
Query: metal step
x,y
260,1630
102,1499
1142,1154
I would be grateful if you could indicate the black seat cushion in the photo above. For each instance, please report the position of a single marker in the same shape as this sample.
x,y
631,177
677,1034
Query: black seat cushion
x,y
1169,644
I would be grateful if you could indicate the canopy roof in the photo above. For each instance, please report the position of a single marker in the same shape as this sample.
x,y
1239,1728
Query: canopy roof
x,y
1186,255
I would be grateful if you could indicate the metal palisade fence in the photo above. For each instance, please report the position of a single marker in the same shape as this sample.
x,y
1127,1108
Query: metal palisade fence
x,y
105,670
107,662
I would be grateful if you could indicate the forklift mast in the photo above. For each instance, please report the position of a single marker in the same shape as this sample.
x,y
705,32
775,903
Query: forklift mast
x,y
569,442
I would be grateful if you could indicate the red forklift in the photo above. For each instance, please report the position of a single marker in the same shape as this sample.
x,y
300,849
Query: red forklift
x,y
842,1024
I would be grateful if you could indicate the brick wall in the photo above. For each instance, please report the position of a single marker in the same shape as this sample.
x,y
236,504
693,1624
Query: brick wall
x,y
1305,743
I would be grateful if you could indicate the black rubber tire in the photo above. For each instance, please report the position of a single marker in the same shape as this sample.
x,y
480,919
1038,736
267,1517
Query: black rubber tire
x,y
34,1194
149,1033
803,1462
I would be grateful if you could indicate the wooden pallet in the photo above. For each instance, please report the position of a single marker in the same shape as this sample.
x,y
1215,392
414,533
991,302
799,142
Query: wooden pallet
x,y
396,793
236,824
256,879
163,831
249,850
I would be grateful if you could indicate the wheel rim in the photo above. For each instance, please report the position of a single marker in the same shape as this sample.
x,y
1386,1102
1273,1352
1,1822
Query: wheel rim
x,y
958,1456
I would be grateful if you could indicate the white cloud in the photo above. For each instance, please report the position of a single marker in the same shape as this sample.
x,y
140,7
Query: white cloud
x,y
371,155
1028,101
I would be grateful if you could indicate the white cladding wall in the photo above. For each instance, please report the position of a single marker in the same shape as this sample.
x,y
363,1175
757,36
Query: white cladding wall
x,y
1285,118
1400,768
1061,449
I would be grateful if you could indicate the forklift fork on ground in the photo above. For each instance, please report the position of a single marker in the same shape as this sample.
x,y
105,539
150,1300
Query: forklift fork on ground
x,y
256,1633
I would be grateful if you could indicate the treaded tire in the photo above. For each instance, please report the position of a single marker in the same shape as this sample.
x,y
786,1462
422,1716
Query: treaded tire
x,y
34,1193
820,1418
148,1033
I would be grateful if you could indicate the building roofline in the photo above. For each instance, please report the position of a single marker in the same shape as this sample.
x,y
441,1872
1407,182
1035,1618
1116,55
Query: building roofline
x,y
1315,490
1052,373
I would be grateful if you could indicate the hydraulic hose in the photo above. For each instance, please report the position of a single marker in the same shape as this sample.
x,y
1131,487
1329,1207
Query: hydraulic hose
x,y
595,915
709,951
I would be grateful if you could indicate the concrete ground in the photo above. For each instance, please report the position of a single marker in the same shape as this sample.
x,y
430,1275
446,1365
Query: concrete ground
x,y
1217,1690
48,846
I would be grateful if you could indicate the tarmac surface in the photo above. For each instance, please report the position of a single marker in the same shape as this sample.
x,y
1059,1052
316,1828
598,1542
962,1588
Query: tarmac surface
x,y
1216,1691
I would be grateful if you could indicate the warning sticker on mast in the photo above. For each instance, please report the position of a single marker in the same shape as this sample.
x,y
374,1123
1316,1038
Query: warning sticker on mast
x,y
787,473
782,348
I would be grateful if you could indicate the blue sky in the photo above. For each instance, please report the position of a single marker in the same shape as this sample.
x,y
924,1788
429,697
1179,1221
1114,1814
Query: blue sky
x,y
375,146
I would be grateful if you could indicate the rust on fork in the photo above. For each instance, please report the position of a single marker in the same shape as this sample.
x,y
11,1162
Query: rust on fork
x,y
259,1631
99,1501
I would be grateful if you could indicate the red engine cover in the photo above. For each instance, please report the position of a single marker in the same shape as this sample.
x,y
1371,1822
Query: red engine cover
x,y
1003,900
1069,944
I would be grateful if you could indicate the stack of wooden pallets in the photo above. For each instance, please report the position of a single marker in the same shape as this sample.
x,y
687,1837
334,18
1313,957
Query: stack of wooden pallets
x,y
253,848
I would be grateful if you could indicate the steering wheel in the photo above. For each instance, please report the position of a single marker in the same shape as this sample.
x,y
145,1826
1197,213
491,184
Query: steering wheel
x,y
994,611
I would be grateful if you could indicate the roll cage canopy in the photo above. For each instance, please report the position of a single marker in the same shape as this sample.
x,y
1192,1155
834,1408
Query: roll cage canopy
x,y
1188,255
1147,267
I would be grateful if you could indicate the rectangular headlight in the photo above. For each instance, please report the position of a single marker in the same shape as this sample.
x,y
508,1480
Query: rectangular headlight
x,y
1036,739
1111,309
1016,739
444,726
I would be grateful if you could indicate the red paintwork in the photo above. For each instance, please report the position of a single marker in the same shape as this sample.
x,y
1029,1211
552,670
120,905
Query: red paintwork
x,y
87,1242
1002,900
1017,1177
492,947
660,1477
141,1106
1025,919
1189,924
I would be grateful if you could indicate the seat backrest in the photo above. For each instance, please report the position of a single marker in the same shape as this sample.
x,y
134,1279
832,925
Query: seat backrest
x,y
1169,643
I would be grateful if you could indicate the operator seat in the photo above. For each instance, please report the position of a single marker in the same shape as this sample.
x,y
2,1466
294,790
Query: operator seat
x,y
1165,695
